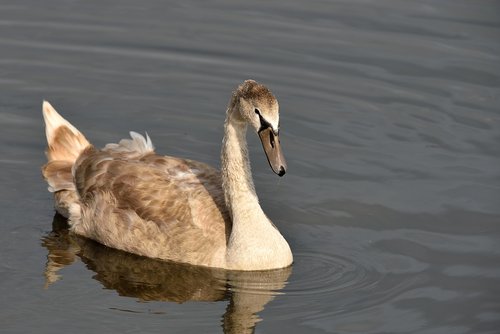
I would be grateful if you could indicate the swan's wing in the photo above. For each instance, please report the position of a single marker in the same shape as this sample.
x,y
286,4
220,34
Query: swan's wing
x,y
154,206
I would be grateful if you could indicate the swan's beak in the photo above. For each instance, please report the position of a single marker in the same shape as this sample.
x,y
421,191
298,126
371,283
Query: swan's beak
x,y
272,147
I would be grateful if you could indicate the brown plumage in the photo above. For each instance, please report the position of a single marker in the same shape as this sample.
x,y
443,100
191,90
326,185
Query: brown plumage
x,y
127,197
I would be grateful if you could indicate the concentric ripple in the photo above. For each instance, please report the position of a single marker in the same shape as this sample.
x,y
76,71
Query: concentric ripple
x,y
319,273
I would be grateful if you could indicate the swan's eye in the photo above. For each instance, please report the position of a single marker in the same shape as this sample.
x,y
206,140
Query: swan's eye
x,y
257,111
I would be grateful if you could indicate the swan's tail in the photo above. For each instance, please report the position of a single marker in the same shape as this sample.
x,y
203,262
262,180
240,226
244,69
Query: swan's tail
x,y
65,144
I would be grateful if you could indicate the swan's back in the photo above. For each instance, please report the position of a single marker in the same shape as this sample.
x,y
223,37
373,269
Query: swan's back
x,y
161,207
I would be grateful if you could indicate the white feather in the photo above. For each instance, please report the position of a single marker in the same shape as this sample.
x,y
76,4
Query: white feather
x,y
137,144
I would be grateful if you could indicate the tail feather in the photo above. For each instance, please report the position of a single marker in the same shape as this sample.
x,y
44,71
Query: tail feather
x,y
58,175
65,142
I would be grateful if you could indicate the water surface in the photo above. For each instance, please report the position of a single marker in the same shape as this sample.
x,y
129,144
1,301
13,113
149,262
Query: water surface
x,y
391,128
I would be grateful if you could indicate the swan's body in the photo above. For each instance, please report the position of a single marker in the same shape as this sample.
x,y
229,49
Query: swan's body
x,y
127,197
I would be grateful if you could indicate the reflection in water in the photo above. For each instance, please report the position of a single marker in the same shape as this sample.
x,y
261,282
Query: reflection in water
x,y
153,280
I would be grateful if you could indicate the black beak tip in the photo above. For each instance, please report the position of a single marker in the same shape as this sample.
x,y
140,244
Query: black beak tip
x,y
281,171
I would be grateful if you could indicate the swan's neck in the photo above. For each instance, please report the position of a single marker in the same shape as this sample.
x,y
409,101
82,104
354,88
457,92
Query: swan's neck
x,y
239,190
254,242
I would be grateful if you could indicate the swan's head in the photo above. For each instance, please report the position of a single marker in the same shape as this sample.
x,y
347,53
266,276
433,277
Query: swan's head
x,y
258,107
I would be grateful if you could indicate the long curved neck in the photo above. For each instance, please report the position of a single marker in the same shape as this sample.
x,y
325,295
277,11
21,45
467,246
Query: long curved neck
x,y
254,242
239,190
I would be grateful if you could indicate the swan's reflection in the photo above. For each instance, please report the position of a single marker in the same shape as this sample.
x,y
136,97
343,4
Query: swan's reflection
x,y
148,279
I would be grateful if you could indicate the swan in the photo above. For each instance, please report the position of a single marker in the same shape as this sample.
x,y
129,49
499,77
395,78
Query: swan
x,y
127,197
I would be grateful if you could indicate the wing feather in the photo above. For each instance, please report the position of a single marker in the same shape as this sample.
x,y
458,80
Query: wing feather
x,y
154,206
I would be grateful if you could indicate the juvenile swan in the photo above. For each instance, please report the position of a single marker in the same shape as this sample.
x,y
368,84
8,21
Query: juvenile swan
x,y
127,197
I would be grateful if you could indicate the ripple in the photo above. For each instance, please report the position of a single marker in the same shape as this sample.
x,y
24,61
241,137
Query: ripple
x,y
323,273
351,288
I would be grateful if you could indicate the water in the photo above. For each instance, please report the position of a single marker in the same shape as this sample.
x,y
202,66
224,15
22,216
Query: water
x,y
390,125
